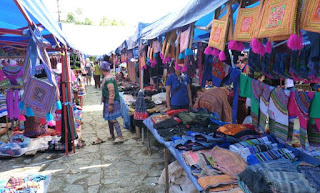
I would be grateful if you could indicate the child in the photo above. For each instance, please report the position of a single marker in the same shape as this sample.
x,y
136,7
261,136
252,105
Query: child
x,y
111,103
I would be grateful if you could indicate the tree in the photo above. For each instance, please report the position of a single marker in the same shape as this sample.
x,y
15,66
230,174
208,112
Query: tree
x,y
70,18
87,21
104,21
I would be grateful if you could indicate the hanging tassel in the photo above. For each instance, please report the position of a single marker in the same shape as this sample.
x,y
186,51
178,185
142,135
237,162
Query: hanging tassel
x,y
208,50
153,63
295,42
58,105
49,117
29,112
43,121
268,47
22,118
181,56
215,52
161,56
188,52
222,56
21,105
155,55
256,45
177,67
232,45
145,67
51,123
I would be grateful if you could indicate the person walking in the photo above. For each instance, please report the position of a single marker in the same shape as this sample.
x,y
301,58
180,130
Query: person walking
x,y
111,104
88,67
96,75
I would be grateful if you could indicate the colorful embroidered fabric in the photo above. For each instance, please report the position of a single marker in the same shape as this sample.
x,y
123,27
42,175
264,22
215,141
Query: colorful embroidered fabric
x,y
3,106
310,16
248,143
231,129
278,19
228,162
264,106
299,105
220,69
257,89
278,113
282,153
218,34
158,118
217,183
14,74
140,108
246,22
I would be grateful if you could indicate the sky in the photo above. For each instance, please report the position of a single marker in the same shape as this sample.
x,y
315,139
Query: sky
x,y
129,11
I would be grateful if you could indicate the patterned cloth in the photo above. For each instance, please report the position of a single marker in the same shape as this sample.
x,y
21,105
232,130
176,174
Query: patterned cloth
x,y
264,106
114,114
299,105
231,129
140,108
284,182
251,181
312,174
228,162
270,155
216,100
278,113
245,152
3,106
248,143
280,165
217,183
13,104
257,89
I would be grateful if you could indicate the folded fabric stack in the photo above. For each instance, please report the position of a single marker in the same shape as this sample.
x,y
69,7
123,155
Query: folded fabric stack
x,y
261,150
239,131
279,176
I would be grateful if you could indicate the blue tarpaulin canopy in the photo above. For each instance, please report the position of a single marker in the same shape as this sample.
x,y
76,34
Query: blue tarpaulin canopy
x,y
195,10
12,18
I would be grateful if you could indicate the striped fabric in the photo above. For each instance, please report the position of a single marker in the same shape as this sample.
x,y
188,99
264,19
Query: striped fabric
x,y
3,106
270,155
248,143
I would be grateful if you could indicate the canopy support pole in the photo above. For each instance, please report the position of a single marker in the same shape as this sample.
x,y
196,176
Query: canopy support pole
x,y
10,31
13,43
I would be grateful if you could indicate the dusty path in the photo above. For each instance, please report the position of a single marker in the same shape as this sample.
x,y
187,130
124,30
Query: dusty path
x,y
101,168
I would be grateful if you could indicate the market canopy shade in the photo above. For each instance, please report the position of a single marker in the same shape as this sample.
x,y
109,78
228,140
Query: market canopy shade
x,y
12,19
194,10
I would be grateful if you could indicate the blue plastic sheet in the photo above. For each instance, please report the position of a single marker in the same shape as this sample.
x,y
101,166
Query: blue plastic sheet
x,y
125,113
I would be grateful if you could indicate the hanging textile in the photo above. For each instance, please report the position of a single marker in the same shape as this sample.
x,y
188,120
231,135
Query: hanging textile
x,y
299,105
3,106
310,16
257,89
264,106
278,113
278,19
13,104
245,24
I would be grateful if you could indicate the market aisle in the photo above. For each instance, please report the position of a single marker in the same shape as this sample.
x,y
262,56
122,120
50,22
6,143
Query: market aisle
x,y
96,168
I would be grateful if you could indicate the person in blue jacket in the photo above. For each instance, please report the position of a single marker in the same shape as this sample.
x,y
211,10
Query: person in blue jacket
x,y
178,91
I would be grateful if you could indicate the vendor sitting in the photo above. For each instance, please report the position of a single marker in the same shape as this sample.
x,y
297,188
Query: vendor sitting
x,y
178,92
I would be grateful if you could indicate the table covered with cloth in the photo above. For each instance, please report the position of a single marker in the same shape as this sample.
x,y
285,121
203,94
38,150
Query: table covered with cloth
x,y
177,154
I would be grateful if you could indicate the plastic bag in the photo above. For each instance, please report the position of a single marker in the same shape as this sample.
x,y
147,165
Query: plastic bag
x,y
11,149
21,140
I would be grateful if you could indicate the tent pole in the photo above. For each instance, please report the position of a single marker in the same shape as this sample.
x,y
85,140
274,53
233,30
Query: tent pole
x,y
10,31
64,107
72,126
55,39
24,12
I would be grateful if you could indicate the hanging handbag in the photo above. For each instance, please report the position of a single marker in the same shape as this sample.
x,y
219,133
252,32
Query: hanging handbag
x,y
40,96
310,16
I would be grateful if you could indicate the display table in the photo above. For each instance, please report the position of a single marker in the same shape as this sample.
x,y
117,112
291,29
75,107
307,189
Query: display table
x,y
177,154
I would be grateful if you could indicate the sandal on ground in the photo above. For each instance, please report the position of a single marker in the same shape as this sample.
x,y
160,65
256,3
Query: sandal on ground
x,y
80,145
110,137
118,140
98,141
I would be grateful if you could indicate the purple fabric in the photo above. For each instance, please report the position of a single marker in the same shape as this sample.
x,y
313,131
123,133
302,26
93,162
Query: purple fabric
x,y
13,104
10,104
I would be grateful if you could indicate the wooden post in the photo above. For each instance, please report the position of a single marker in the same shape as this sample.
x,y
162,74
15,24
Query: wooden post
x,y
166,169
